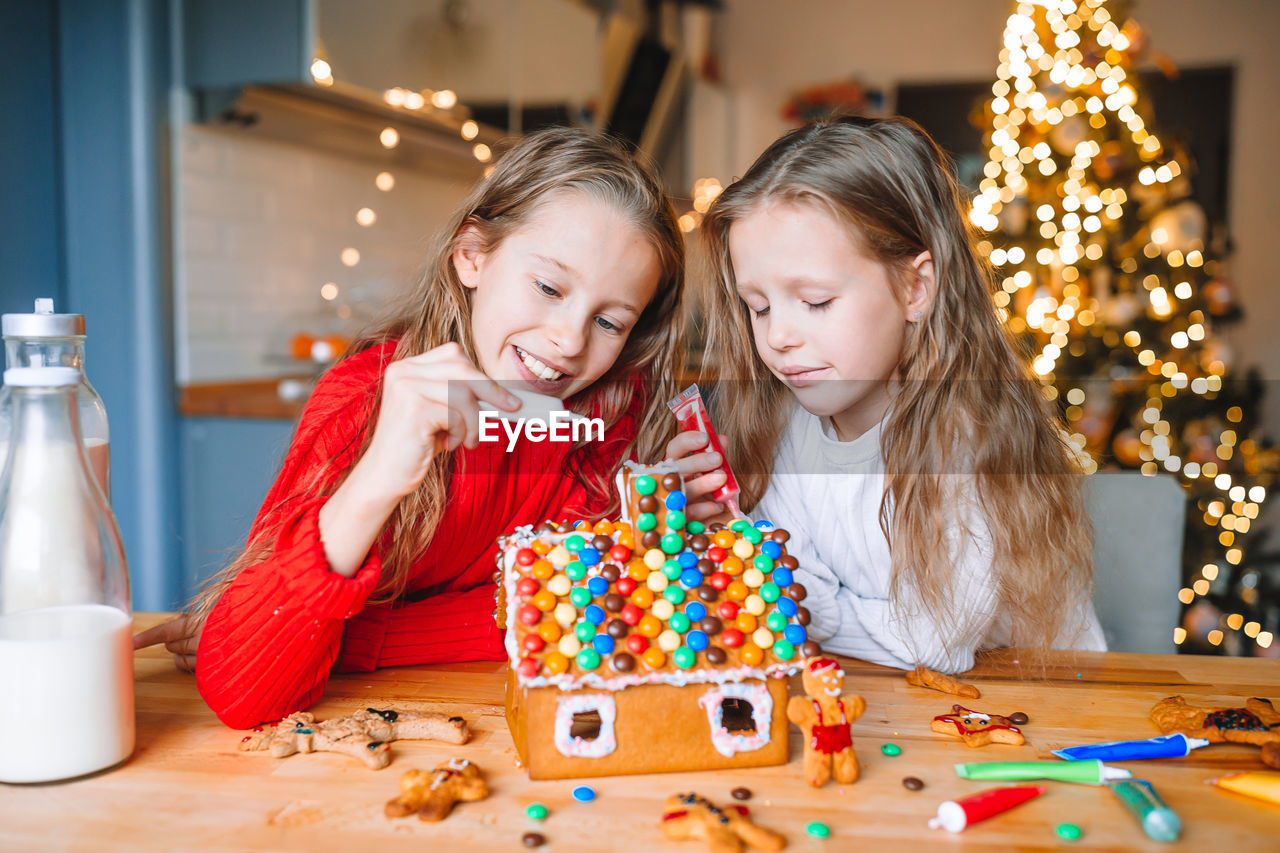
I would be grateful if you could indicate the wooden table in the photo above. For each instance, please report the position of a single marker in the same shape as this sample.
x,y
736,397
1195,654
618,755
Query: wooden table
x,y
188,788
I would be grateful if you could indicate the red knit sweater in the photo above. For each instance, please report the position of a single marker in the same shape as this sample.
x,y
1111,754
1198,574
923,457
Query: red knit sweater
x,y
279,629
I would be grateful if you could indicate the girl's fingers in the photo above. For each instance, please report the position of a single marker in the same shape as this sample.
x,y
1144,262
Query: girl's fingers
x,y
686,443
184,646
186,663
697,488
703,510
165,632
699,463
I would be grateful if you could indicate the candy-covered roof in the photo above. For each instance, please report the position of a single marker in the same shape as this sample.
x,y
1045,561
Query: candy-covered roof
x,y
593,607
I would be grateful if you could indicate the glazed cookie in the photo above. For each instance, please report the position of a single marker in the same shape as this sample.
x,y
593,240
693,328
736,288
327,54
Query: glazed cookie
x,y
728,830
365,735
976,728
432,795
1257,722
924,677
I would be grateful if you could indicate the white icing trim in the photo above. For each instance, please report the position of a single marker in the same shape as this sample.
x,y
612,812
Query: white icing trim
x,y
575,747
725,742
675,678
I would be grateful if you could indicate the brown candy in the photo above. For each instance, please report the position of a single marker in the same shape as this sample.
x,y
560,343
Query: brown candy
x,y
810,649
715,527
622,662
711,626
911,783
617,628
795,592
789,562
706,566
602,544
648,503
671,482
1018,718
533,839
610,573
614,602
715,655
700,542
545,527
708,593
650,539
781,536
802,616
741,793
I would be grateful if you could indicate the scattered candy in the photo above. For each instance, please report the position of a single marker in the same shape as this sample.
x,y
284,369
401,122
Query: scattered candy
x,y
911,783
891,749
817,829
533,839
1068,831
741,793
1018,718
584,793
536,811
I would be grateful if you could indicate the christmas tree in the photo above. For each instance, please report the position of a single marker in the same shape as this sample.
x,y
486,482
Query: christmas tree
x,y
1110,276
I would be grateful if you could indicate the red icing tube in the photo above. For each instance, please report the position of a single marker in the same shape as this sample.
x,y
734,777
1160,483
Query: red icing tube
x,y
955,815
691,413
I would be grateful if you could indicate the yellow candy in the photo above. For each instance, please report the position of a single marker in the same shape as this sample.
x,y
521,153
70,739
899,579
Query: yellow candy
x,y
569,645
559,585
754,604
560,557
663,609
653,657
654,558
542,570
753,578
566,614
555,663
742,548
657,582
752,654
668,641
762,637
548,631
544,600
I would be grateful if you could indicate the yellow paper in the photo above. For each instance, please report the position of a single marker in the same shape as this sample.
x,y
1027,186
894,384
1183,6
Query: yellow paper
x,y
1254,783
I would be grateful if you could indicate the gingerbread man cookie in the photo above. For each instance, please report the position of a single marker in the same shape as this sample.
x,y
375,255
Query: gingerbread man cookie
x,y
1257,722
365,735
433,794
727,830
823,715
924,677
976,728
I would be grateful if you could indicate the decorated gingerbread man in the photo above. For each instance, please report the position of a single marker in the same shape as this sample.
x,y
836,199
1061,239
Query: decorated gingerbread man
x,y
365,735
432,795
976,728
725,830
824,714
1257,722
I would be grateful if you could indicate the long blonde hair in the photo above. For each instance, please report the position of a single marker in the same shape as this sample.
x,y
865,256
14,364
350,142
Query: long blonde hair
x,y
438,310
964,399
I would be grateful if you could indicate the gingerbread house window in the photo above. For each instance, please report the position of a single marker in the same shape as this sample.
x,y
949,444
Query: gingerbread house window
x,y
739,715
584,725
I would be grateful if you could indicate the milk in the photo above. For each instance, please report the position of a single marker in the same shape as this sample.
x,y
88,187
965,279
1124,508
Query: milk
x,y
66,692
99,452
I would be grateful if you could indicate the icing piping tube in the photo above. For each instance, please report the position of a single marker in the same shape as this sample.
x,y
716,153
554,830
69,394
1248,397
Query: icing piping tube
x,y
955,815
1158,821
1166,746
692,415
1091,772
1252,783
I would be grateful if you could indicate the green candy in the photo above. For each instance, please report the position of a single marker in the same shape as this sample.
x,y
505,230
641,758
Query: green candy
x,y
576,571
755,537
672,543
817,829
770,592
1068,831
675,519
646,485
783,650
672,570
647,521
678,622
763,563
684,657
674,594
740,525
891,749
588,659
536,811
584,631
776,622
580,596
696,527
574,544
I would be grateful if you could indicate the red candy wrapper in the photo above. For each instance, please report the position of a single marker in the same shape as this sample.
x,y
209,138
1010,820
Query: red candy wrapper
x,y
691,413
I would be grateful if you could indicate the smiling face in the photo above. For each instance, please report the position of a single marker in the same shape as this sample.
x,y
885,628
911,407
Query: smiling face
x,y
823,677
555,300
828,319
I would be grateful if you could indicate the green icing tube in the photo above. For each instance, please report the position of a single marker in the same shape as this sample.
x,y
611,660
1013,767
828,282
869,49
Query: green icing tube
x,y
1081,772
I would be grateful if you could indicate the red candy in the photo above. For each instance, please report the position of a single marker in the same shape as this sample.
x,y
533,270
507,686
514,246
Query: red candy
x,y
626,586
620,554
532,643
716,554
529,615
732,637
528,667
719,580
637,643
526,557
527,586
728,610
631,614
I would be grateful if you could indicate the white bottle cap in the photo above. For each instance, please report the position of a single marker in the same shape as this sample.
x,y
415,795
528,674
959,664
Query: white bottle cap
x,y
951,817
41,377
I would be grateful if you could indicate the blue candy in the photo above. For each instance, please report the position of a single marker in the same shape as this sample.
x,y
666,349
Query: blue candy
x,y
584,793
675,500
696,611
687,560
782,576
690,578
795,634
594,614
598,585
696,640
603,643
588,556
770,549
786,607
764,525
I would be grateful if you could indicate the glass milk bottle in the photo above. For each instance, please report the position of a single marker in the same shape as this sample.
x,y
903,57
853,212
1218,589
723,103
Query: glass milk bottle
x,y
46,339
66,654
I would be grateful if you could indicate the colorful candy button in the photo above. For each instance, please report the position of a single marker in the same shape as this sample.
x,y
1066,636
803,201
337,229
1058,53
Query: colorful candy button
x,y
772,550
817,829
1068,831
580,596
696,640
528,614
598,585
684,657
654,558
585,793
626,586
752,655
675,519
637,643
678,622
676,500
588,659
762,563
762,637
787,607
559,585
654,657
657,582
575,570
594,614
775,622
569,645
696,611
739,525
663,609
689,579
650,626
668,641
732,638
646,522
752,535
795,634
555,663
695,528
727,610
584,631
754,605
619,553
574,543
646,485
743,549
536,811
674,594
542,570
528,667
672,569
891,749
603,644
533,643
642,597
549,631
783,650
588,556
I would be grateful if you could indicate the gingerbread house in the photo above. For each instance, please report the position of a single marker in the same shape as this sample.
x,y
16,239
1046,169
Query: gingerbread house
x,y
650,644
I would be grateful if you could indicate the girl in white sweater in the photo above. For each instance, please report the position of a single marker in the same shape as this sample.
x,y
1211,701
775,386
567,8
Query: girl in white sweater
x,y
882,415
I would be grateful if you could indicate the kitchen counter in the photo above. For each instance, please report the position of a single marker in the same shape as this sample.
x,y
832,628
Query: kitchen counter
x,y
249,398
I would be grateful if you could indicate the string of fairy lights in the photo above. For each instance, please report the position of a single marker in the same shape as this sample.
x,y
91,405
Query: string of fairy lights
x,y
1072,225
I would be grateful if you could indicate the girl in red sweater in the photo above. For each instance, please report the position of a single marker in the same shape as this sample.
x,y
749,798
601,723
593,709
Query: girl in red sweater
x,y
562,273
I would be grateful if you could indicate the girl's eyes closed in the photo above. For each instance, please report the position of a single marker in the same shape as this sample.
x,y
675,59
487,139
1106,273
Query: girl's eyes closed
x,y
820,306
608,326
544,288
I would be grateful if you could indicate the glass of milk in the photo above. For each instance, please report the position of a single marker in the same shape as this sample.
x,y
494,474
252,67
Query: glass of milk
x,y
66,657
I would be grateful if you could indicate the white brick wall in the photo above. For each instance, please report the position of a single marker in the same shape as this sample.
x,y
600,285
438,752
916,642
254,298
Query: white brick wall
x,y
260,227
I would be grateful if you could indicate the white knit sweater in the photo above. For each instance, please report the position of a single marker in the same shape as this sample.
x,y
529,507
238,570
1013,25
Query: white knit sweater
x,y
827,493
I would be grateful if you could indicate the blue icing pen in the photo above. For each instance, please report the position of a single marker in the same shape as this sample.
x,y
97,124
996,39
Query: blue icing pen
x,y
1165,746
1158,821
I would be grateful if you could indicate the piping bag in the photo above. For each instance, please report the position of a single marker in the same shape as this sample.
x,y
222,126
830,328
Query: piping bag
x,y
1090,772
1252,783
955,815
1166,746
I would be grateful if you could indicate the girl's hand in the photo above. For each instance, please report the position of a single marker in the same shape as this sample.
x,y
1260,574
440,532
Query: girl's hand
x,y
181,637
701,472
430,403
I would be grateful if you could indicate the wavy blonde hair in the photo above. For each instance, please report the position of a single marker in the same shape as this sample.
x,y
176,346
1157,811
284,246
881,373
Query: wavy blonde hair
x,y
964,400
438,310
